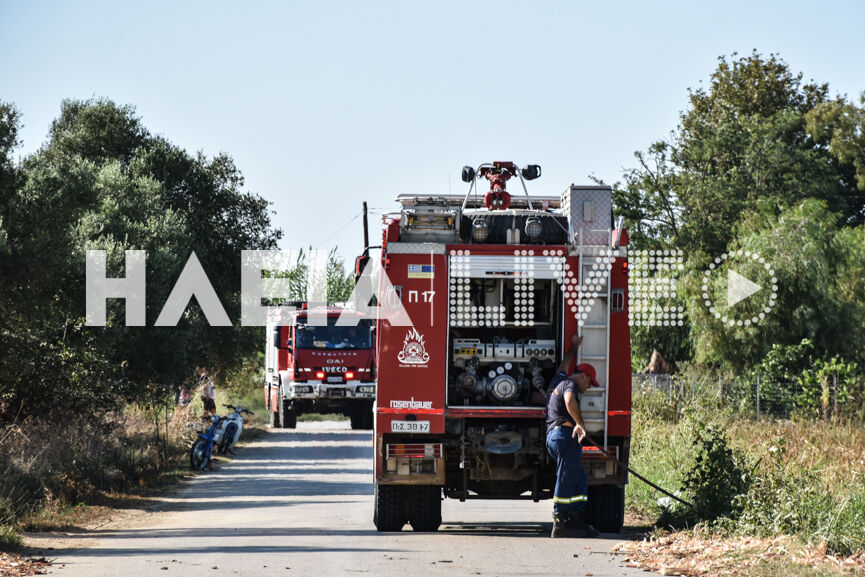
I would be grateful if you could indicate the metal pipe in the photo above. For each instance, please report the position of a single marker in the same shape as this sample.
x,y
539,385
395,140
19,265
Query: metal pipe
x,y
365,230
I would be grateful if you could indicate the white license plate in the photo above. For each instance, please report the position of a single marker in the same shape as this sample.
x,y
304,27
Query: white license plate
x,y
409,426
334,379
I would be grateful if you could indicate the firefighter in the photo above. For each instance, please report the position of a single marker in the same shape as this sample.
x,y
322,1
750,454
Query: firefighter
x,y
565,433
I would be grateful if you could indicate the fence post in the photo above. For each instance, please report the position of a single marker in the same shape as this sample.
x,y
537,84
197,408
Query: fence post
x,y
835,395
758,397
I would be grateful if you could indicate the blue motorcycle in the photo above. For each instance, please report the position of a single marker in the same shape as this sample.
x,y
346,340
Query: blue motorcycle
x,y
202,448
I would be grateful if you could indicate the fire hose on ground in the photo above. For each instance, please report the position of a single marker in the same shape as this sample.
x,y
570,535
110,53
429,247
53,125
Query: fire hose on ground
x,y
591,442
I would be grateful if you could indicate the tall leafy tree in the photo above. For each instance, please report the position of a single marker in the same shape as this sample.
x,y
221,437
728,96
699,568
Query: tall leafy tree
x,y
753,144
102,181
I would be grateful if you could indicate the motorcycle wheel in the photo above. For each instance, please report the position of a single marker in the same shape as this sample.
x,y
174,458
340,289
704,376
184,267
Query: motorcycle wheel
x,y
227,438
198,455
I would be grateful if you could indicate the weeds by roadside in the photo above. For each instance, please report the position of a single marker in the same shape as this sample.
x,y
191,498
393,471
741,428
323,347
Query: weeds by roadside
x,y
65,470
749,478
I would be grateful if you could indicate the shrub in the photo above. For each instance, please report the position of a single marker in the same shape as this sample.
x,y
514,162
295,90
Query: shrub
x,y
713,480
789,501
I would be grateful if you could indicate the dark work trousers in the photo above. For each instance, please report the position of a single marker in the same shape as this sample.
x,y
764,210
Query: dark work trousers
x,y
571,481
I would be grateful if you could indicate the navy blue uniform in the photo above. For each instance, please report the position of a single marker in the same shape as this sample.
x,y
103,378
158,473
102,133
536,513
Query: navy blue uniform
x,y
571,480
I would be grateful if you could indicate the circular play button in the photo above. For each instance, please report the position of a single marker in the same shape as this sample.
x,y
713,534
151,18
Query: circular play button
x,y
745,291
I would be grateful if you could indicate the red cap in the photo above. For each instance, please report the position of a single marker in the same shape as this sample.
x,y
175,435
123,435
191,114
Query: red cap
x,y
589,370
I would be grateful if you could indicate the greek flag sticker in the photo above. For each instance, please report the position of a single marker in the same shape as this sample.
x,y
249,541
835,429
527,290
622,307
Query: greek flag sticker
x,y
421,271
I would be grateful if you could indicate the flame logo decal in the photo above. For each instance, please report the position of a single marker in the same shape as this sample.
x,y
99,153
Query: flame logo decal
x,y
413,351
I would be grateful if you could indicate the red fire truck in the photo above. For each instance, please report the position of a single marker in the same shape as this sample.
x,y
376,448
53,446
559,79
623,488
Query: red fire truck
x,y
320,368
495,287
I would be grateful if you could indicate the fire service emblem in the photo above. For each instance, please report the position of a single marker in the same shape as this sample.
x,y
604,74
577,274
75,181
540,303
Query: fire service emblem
x,y
413,352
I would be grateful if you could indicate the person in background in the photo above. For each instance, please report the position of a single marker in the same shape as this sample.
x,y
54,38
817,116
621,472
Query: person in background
x,y
208,392
565,434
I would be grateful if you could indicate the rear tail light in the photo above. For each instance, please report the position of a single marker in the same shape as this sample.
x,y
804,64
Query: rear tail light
x,y
319,375
592,453
425,451
349,375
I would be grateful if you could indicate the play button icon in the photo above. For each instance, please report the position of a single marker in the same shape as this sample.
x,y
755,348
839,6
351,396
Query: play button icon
x,y
739,288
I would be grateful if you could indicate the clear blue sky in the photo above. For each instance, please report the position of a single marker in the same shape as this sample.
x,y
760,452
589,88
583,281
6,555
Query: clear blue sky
x,y
326,104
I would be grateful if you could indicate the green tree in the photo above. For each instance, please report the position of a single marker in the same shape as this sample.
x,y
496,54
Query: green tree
x,y
752,145
102,181
339,283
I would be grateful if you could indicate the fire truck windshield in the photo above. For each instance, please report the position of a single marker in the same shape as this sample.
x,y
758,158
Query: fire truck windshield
x,y
333,337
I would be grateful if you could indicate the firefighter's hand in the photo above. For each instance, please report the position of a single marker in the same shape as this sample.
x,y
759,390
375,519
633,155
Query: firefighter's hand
x,y
576,341
579,433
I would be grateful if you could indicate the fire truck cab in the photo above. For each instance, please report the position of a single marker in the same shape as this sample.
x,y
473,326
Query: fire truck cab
x,y
495,287
320,367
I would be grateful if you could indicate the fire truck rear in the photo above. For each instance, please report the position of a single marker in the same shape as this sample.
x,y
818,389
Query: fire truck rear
x,y
495,287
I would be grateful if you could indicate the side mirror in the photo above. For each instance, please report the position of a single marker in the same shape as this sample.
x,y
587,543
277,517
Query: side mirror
x,y
275,337
359,265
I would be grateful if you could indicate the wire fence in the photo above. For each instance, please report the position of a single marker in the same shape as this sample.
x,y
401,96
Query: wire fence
x,y
830,397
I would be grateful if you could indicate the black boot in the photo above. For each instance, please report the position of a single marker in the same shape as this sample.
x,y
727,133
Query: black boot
x,y
562,526
578,523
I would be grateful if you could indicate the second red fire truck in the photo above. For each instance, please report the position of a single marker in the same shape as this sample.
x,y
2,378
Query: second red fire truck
x,y
495,286
320,367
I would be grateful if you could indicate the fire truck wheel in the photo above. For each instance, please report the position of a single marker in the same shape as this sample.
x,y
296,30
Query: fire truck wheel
x,y
607,508
275,422
289,416
361,418
355,417
425,509
390,508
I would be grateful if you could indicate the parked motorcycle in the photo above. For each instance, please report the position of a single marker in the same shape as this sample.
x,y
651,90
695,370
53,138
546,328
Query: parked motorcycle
x,y
202,449
230,429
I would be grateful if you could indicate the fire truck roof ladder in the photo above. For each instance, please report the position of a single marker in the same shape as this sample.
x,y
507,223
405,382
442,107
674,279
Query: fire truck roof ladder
x,y
596,329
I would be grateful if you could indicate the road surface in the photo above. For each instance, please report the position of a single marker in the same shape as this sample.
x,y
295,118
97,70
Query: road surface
x,y
299,502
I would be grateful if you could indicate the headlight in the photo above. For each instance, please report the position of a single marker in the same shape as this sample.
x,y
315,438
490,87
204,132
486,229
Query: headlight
x,y
534,227
480,230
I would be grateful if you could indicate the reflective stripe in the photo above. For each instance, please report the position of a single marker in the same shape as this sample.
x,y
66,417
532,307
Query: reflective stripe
x,y
569,500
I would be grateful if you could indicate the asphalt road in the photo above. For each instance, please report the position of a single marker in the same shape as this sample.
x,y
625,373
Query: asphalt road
x,y
300,503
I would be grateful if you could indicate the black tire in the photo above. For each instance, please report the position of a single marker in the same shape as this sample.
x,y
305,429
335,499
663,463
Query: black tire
x,y
273,408
289,415
390,513
358,418
425,508
198,455
606,508
369,418
227,437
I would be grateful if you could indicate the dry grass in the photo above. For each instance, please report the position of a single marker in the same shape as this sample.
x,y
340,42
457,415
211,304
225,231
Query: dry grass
x,y
687,553
835,450
65,471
